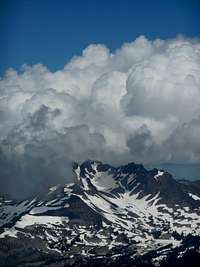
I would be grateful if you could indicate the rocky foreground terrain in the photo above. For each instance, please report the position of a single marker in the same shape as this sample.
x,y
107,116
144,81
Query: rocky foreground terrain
x,y
124,216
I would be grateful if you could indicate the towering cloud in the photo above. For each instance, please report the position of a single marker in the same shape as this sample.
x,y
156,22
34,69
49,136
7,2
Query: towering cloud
x,y
141,103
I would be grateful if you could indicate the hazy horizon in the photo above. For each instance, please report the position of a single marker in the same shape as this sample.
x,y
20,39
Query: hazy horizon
x,y
189,172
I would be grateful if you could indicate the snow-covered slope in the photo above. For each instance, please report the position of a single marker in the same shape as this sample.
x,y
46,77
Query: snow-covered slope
x,y
108,211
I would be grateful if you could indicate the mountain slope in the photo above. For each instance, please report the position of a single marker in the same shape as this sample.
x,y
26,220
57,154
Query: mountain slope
x,y
108,213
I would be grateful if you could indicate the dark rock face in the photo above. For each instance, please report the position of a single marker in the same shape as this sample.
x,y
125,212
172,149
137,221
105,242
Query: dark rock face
x,y
123,216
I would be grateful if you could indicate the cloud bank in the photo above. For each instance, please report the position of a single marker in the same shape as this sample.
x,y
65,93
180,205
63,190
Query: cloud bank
x,y
140,103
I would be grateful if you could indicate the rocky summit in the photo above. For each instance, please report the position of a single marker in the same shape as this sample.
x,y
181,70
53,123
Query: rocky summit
x,y
110,216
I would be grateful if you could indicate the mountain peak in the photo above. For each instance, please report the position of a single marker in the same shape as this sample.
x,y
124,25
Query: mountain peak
x,y
96,176
90,167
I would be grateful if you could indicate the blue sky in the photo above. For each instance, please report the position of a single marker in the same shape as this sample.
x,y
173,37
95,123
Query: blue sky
x,y
51,32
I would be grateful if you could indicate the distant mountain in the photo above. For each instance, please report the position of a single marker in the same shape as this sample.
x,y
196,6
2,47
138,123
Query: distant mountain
x,y
124,216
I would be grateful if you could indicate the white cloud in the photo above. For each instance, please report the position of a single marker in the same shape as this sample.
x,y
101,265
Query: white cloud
x,y
141,103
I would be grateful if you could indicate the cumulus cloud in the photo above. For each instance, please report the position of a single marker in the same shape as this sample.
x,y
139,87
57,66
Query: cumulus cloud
x,y
184,142
140,103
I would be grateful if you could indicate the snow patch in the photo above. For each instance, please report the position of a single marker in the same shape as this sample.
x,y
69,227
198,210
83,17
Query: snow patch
x,y
159,174
195,197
